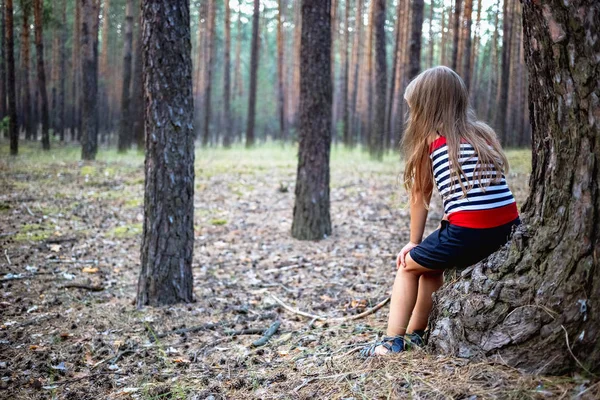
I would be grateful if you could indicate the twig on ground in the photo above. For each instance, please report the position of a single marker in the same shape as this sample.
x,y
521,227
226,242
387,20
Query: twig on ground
x,y
112,359
91,288
65,382
7,257
28,210
95,262
334,320
35,320
197,328
267,335
286,268
309,380
7,234
60,240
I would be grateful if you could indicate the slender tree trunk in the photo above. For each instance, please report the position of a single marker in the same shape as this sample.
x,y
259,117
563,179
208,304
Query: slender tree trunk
x,y
537,296
54,72
280,73
465,60
494,66
239,84
41,72
89,51
431,37
401,81
253,76
502,100
10,80
2,61
125,134
346,76
396,57
443,59
168,239
296,63
227,79
137,90
378,134
356,68
105,84
312,219
76,75
59,73
456,31
26,103
475,52
210,42
415,38
368,81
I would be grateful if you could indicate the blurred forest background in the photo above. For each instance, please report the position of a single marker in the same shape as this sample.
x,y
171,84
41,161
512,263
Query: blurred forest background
x,y
56,68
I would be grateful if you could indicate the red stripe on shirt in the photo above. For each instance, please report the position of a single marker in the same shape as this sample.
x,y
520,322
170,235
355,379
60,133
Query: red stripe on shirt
x,y
436,144
481,219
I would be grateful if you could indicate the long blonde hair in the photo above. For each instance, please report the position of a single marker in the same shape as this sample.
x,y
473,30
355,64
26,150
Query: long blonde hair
x,y
439,103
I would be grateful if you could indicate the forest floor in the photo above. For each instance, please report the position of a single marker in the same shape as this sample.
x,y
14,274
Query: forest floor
x,y
69,242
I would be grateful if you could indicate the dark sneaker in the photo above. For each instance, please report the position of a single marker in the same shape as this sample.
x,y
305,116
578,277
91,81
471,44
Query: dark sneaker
x,y
393,344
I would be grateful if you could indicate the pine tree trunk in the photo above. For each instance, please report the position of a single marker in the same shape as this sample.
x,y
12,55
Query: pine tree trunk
x,y
54,78
76,75
378,134
10,80
533,305
415,38
295,92
431,37
168,239
227,79
41,72
26,103
346,76
2,61
137,90
280,73
311,219
502,98
89,66
456,32
475,53
356,68
465,60
493,67
366,129
60,73
210,49
443,60
125,134
253,76
105,84
396,56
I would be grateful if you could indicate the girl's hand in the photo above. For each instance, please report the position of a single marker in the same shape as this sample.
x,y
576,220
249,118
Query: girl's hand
x,y
401,259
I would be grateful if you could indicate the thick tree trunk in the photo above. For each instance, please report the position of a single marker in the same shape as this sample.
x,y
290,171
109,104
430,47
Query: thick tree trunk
x,y
456,32
465,60
10,80
280,73
253,76
125,134
26,103
311,219
89,64
227,79
415,38
168,239
210,49
378,134
41,72
534,304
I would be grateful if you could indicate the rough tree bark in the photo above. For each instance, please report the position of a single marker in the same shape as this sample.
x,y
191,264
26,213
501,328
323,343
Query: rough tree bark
x,y
2,61
465,60
227,79
378,135
253,76
534,304
125,134
13,132
280,73
415,38
210,49
311,219
168,239
89,66
41,72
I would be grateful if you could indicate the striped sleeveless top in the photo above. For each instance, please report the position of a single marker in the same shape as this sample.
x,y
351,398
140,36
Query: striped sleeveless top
x,y
483,206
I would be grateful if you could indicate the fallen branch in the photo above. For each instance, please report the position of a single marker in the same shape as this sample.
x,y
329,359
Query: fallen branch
x,y
112,359
28,210
7,234
87,376
287,268
334,320
91,288
61,240
267,335
95,262
197,328
7,257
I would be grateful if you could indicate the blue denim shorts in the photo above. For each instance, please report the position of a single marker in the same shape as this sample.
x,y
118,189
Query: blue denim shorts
x,y
454,246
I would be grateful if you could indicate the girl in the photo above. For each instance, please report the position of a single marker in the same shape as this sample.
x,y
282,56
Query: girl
x,y
445,145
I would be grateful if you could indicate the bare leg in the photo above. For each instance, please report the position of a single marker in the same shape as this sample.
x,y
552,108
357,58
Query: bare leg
x,y
428,284
404,298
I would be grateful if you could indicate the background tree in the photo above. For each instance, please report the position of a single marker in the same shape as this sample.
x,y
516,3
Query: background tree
x,y
227,139
137,89
168,238
538,295
311,220
2,61
415,38
10,80
76,74
210,49
456,33
378,134
41,72
89,65
280,72
26,117
253,76
125,133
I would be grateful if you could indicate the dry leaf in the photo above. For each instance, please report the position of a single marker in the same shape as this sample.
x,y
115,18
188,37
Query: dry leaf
x,y
90,270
